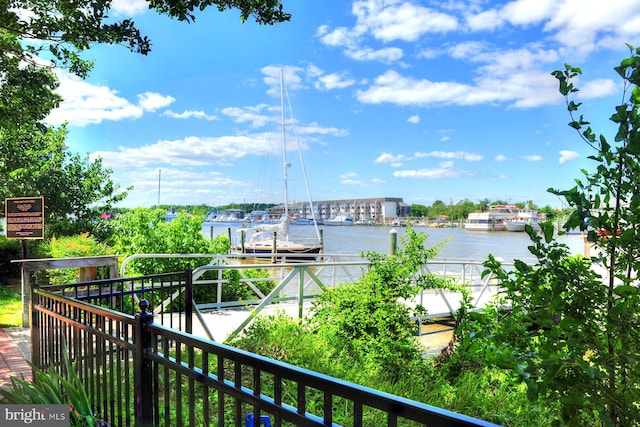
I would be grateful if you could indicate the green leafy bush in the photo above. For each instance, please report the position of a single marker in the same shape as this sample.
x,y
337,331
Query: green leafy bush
x,y
572,333
146,231
366,322
82,245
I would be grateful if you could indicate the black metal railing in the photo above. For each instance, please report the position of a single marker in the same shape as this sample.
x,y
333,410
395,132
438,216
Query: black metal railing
x,y
139,372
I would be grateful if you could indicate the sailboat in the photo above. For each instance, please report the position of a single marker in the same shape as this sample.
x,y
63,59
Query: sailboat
x,y
275,238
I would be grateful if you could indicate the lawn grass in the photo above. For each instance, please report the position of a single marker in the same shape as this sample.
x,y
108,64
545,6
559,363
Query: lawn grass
x,y
10,307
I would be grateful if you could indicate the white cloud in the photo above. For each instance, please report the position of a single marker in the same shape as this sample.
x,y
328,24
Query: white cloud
x,y
334,81
315,129
152,101
445,170
580,25
527,12
340,37
385,21
486,20
189,114
388,21
395,160
291,75
518,77
352,178
255,115
500,158
532,158
464,155
85,103
597,89
394,88
387,55
179,185
567,156
415,119
189,151
129,7
514,77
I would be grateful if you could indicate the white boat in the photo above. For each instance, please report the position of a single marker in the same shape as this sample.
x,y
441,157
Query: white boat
x,y
341,219
365,221
302,221
275,238
523,217
492,220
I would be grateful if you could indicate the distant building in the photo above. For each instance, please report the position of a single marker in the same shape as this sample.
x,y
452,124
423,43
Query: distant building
x,y
378,210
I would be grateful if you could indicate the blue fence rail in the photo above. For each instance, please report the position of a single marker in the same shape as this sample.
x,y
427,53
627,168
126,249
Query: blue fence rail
x,y
140,373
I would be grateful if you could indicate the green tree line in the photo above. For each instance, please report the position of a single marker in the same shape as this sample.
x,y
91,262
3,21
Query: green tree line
x,y
462,208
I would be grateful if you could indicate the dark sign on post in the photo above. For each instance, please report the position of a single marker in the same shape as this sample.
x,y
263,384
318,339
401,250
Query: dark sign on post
x,y
25,217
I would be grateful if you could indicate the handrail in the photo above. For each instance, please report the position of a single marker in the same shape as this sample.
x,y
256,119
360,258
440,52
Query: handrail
x,y
329,271
139,372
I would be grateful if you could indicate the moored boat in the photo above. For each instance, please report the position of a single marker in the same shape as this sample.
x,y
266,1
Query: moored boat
x,y
492,220
341,219
275,238
523,217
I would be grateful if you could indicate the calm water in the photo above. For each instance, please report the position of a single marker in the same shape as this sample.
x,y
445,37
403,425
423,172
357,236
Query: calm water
x,y
461,243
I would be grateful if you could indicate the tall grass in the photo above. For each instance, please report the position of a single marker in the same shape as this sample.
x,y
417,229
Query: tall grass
x,y
10,307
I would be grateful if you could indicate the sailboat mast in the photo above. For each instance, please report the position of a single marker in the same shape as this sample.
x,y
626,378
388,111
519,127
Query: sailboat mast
x,y
284,151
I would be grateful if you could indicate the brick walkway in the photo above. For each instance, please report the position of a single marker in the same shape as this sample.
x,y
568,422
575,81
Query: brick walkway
x,y
14,352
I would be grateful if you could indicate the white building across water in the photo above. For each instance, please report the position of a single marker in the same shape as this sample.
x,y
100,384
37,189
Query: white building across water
x,y
379,210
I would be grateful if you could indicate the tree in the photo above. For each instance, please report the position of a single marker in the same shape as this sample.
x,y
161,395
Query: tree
x,y
418,210
35,38
63,29
572,333
35,162
439,208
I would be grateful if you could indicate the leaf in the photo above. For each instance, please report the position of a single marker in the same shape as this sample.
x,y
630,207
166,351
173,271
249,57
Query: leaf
x,y
625,291
532,391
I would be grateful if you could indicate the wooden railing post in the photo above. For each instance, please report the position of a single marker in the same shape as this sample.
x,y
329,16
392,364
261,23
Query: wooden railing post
x,y
143,368
34,331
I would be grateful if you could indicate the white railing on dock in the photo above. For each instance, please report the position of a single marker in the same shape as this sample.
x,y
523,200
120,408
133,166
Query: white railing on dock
x,y
298,283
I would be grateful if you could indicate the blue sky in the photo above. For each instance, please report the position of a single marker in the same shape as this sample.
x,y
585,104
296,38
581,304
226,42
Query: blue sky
x,y
423,100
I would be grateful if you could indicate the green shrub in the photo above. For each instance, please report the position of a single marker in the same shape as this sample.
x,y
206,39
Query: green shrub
x,y
365,321
82,245
146,231
486,393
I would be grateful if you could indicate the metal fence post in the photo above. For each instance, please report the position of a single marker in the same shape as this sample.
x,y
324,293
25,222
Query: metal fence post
x,y
188,296
143,368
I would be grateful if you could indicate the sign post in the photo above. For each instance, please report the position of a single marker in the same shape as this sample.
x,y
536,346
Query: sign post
x,y
25,220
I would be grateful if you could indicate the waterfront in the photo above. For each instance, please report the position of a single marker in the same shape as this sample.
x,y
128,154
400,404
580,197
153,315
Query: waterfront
x,y
461,244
